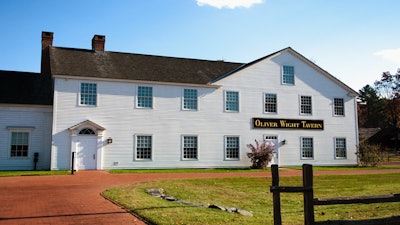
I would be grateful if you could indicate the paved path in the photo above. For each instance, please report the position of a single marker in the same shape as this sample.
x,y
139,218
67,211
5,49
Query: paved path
x,y
76,199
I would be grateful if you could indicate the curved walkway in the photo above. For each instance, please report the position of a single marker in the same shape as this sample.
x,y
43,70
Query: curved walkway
x,y
76,199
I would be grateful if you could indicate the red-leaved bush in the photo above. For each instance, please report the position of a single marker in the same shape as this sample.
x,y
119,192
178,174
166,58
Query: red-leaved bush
x,y
260,155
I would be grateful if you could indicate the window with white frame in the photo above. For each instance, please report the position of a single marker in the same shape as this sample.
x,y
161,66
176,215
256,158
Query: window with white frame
x,y
189,147
232,147
143,146
288,75
305,105
338,107
190,99
19,144
270,103
232,101
340,148
144,97
88,94
307,148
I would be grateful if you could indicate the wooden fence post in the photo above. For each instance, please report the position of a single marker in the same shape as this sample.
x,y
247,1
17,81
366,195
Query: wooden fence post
x,y
308,194
276,195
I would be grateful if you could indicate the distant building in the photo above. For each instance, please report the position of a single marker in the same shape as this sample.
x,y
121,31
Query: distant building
x,y
121,110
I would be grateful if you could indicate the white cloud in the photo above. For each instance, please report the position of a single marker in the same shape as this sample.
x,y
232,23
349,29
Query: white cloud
x,y
392,55
229,3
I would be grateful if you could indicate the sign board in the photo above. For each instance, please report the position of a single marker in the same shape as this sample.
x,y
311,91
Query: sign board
x,y
288,124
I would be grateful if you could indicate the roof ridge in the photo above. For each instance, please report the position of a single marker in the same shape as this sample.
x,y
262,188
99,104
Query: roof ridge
x,y
148,55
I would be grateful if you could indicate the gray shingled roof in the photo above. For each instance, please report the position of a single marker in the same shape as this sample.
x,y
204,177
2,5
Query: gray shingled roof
x,y
113,65
25,88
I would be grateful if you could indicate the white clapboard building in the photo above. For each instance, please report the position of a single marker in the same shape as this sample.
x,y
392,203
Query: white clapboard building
x,y
113,110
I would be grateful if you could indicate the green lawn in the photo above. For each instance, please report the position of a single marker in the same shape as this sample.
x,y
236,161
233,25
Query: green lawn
x,y
252,194
33,173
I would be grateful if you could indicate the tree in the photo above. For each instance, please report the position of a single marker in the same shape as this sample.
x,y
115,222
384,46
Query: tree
x,y
370,108
260,155
369,154
389,88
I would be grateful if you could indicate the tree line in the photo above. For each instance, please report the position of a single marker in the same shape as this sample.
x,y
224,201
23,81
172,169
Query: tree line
x,y
379,105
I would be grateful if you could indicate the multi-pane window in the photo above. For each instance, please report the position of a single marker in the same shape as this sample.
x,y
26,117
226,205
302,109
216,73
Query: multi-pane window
x,y
307,148
145,97
143,147
232,101
270,103
338,106
189,147
231,147
190,99
288,75
88,94
340,147
305,105
19,144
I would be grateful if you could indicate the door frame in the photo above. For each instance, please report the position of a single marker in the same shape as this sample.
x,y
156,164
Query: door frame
x,y
276,148
98,135
80,141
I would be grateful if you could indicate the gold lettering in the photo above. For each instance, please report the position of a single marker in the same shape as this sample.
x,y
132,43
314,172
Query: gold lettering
x,y
289,125
311,125
257,123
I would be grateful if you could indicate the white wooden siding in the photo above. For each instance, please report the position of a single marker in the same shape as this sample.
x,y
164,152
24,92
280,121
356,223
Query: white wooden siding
x,y
167,122
38,119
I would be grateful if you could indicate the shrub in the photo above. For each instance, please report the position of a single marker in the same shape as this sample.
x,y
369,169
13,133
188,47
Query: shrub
x,y
369,154
260,155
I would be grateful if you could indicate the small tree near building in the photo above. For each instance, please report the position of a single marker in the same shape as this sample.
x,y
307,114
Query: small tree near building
x,y
369,154
260,154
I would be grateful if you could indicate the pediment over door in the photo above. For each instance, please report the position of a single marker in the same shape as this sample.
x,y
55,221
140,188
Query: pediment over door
x,y
87,127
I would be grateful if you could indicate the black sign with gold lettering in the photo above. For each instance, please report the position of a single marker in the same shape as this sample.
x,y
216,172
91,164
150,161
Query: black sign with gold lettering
x,y
288,124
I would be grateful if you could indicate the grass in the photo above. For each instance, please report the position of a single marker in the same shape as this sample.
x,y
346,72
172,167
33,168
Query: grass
x,y
189,170
33,173
252,194
222,170
327,168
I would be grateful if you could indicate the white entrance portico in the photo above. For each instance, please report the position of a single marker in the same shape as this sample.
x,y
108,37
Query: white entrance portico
x,y
87,145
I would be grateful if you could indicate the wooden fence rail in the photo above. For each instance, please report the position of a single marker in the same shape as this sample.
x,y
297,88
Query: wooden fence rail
x,y
357,199
309,201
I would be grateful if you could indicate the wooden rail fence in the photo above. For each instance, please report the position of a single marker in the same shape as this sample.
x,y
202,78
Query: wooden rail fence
x,y
309,201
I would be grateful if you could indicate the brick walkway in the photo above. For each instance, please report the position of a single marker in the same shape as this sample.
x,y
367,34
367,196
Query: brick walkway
x,y
76,199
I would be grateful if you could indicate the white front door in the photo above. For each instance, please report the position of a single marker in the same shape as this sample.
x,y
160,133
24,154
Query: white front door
x,y
273,141
86,153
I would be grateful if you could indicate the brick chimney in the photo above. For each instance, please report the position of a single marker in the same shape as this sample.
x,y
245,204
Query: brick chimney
x,y
47,40
98,42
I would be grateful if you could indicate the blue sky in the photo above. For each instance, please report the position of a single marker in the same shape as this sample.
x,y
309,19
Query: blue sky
x,y
354,40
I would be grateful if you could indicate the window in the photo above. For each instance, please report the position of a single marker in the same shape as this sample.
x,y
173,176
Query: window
x,y
340,148
19,144
232,147
190,99
338,107
232,101
288,75
88,94
145,97
143,147
305,105
307,148
270,103
87,131
190,147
